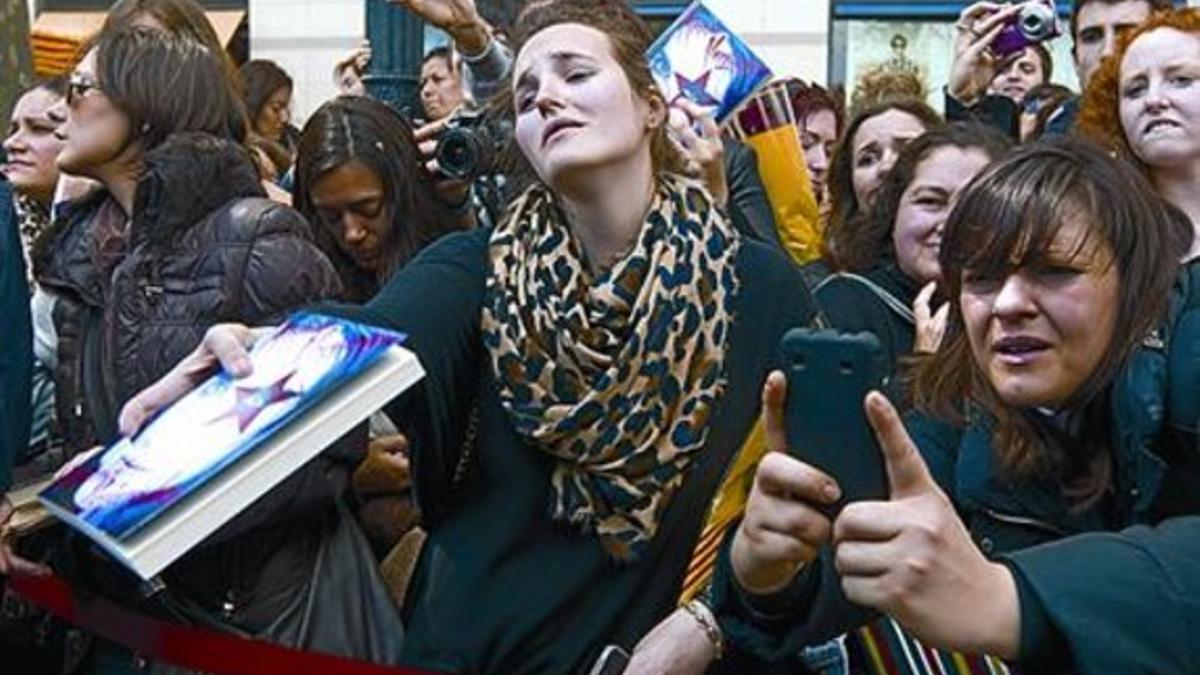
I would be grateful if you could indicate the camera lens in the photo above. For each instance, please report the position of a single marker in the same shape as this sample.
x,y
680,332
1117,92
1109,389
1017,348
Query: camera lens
x,y
1037,22
458,154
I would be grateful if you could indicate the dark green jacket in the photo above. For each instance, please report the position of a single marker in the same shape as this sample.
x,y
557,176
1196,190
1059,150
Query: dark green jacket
x,y
1095,594
16,348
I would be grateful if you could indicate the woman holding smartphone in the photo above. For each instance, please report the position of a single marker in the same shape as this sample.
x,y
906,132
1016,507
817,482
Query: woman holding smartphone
x,y
1038,494
592,364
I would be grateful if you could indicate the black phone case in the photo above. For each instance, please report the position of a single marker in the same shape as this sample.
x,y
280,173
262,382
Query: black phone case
x,y
828,375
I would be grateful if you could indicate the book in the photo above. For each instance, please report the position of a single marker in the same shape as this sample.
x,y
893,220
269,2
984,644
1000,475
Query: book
x,y
28,514
698,58
150,498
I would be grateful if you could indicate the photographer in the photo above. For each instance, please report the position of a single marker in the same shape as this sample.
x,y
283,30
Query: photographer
x,y
1095,26
989,87
441,84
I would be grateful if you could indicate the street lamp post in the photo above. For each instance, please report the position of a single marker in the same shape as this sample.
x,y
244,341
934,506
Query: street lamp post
x,y
397,45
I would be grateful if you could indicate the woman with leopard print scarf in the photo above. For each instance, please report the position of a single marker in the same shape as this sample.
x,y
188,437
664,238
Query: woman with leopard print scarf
x,y
30,150
593,365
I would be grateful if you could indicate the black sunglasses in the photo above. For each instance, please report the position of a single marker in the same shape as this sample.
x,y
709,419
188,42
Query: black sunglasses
x,y
77,88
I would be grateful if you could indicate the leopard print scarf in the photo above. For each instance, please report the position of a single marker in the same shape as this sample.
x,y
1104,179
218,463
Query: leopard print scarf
x,y
33,218
614,376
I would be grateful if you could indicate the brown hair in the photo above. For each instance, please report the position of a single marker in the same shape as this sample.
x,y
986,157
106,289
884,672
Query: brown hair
x,y
885,83
630,38
261,79
862,248
166,83
184,19
1100,109
812,98
845,215
356,128
1007,218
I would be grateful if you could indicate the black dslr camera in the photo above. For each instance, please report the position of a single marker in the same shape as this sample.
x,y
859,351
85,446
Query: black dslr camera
x,y
472,145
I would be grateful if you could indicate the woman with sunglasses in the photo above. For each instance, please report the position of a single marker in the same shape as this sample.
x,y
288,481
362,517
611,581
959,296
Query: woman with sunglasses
x,y
181,237
118,260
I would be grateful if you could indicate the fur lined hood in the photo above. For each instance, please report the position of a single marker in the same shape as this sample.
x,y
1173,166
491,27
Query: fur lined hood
x,y
167,202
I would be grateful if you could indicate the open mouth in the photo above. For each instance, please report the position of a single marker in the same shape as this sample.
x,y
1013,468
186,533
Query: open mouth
x,y
1019,350
557,126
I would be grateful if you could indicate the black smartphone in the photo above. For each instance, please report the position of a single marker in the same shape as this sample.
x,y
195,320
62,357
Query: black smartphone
x,y
828,376
613,661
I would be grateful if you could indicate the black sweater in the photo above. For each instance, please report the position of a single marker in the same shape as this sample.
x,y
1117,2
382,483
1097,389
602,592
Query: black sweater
x,y
499,586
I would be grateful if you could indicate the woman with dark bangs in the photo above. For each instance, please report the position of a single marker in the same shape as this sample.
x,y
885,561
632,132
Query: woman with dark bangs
x,y
1039,490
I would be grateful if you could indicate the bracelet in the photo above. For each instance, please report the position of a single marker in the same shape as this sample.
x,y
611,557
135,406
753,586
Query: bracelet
x,y
704,616
488,50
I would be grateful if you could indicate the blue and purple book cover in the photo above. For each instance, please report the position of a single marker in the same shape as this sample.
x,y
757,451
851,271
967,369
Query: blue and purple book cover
x,y
123,488
700,59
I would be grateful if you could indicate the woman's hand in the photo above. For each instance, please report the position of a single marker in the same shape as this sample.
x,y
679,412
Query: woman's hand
x,y
459,18
931,324
224,345
783,527
912,558
974,65
703,152
678,645
348,71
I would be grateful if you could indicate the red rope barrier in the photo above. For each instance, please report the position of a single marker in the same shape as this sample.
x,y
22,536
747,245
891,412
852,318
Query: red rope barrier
x,y
184,646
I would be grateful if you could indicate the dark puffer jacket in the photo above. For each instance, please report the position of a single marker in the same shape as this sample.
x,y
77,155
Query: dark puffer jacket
x,y
204,247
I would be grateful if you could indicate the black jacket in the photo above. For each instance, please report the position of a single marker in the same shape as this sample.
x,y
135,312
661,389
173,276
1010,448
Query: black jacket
x,y
749,209
1109,589
878,302
992,109
204,247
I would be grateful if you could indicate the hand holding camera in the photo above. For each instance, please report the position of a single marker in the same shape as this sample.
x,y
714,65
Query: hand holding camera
x,y
987,35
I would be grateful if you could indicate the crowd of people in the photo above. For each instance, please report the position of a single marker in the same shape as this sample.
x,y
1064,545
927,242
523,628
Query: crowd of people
x,y
595,467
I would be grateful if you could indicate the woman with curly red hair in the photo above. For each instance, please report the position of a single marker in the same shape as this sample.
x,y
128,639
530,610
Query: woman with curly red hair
x,y
1144,105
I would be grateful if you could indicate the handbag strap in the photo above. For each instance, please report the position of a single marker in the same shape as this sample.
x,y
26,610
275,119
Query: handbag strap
x,y
890,301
